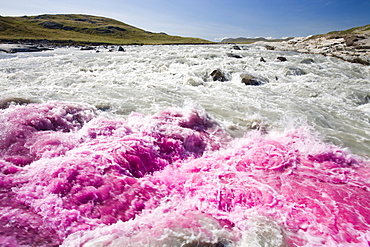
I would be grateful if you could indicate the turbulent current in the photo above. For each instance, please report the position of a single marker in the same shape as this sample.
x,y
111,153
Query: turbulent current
x,y
146,148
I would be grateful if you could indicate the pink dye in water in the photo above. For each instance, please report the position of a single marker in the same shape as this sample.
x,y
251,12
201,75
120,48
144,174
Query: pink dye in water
x,y
71,178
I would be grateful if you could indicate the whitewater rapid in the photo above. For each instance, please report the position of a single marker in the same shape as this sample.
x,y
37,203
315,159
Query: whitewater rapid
x,y
144,148
333,95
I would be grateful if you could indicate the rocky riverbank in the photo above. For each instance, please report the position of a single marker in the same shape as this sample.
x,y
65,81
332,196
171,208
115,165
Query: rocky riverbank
x,y
353,47
13,48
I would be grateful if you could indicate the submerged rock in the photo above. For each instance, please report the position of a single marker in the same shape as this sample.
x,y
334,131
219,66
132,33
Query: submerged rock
x,y
307,61
194,81
294,71
262,60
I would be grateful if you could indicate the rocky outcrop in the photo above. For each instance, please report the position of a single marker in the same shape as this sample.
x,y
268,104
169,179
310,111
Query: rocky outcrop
x,y
350,47
56,25
13,48
52,25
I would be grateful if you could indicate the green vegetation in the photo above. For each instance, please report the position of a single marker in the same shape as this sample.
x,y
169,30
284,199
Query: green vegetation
x,y
73,29
349,32
355,30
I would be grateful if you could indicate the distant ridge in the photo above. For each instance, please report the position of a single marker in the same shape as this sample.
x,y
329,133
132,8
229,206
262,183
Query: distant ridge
x,y
352,31
74,29
242,40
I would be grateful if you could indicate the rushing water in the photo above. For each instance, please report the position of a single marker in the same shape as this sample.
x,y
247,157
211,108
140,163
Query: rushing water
x,y
143,148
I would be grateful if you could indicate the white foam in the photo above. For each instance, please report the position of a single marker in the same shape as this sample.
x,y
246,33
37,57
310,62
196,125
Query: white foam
x,y
150,78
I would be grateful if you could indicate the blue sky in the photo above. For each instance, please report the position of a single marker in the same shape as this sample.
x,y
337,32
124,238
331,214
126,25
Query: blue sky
x,y
212,19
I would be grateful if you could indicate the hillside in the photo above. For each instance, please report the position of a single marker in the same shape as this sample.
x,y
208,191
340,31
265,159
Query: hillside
x,y
242,40
73,29
351,31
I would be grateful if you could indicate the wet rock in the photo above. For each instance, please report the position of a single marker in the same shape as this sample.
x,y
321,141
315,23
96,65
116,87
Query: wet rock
x,y
307,61
262,60
235,47
294,71
218,75
121,48
5,103
269,47
233,55
251,80
282,59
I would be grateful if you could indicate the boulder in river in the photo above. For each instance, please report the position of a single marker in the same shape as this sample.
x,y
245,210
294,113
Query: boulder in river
x,y
282,59
218,75
233,55
121,48
251,80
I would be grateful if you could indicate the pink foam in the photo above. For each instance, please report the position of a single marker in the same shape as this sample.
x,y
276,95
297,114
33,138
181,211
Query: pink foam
x,y
69,176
